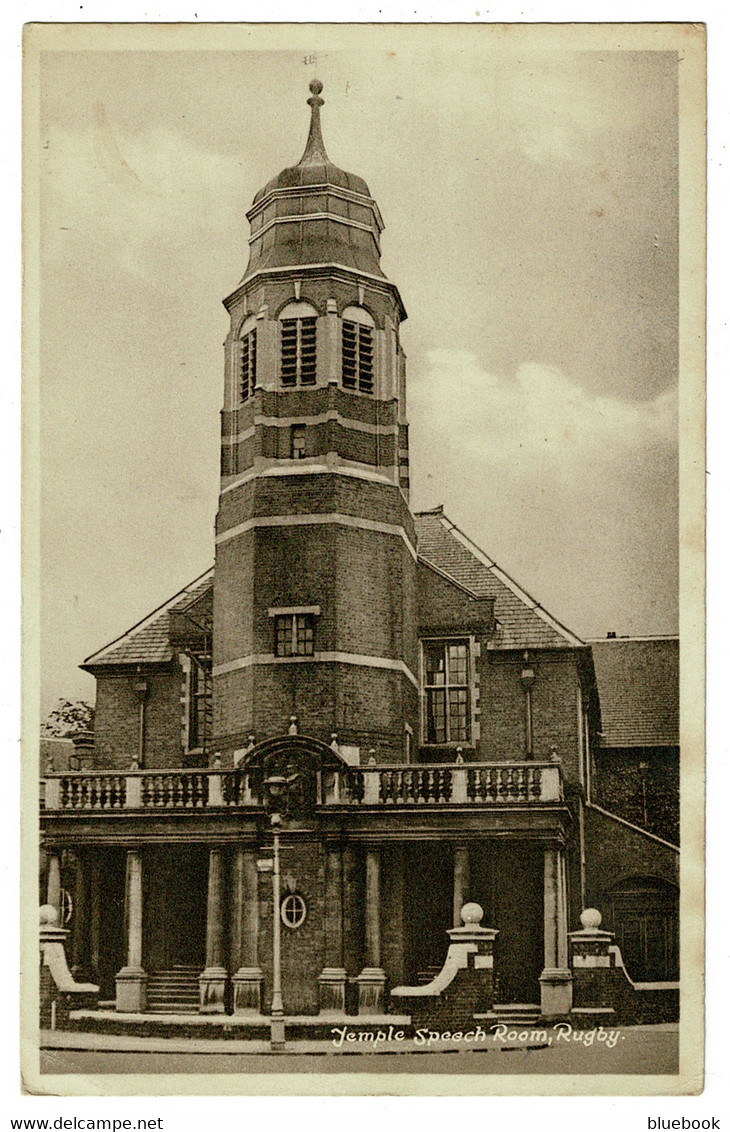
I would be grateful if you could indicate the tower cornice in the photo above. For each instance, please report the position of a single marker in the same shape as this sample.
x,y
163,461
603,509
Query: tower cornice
x,y
334,271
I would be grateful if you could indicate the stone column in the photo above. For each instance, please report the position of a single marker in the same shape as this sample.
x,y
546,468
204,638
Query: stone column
x,y
371,980
80,935
248,978
95,918
556,979
461,882
333,980
214,977
132,979
53,882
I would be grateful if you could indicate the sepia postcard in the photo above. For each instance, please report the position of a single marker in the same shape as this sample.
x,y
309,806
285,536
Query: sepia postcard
x,y
364,509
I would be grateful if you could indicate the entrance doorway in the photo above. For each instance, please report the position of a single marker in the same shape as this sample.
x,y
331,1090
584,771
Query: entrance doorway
x,y
507,880
175,907
428,907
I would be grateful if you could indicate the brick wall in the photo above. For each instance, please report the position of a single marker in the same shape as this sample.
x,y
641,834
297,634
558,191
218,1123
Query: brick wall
x,y
443,605
365,706
116,728
615,852
302,949
640,785
554,708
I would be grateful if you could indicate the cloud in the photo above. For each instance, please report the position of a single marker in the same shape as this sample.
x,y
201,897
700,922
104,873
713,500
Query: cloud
x,y
539,422
573,492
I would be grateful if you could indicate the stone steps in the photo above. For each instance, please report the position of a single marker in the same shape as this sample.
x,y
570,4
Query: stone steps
x,y
175,991
520,1014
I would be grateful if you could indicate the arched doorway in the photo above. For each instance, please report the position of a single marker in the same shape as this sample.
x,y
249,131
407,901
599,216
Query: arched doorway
x,y
644,914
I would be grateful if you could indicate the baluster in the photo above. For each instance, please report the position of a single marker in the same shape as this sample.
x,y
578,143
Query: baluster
x,y
535,781
491,793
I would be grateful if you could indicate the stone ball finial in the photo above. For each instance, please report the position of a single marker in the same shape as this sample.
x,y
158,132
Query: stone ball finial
x,y
316,87
590,919
472,914
48,914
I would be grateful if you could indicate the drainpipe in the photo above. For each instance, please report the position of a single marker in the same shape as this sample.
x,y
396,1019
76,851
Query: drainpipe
x,y
527,679
141,689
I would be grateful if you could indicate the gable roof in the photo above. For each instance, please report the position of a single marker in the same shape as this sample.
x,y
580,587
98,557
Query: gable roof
x,y
638,686
521,621
148,642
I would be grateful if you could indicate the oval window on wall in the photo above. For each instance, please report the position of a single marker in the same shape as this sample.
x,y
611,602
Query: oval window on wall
x,y
293,910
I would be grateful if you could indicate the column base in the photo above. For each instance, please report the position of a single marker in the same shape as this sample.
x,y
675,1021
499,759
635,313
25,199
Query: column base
x,y
213,990
556,992
332,983
247,983
131,990
371,991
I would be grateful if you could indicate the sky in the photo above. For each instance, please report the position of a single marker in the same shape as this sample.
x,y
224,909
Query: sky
x,y
530,203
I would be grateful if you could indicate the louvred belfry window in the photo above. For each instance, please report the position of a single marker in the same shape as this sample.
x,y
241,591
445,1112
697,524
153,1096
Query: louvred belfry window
x,y
357,356
446,670
248,365
298,351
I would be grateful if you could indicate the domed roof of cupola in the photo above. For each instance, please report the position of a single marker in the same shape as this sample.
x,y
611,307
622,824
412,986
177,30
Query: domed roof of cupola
x,y
315,213
314,167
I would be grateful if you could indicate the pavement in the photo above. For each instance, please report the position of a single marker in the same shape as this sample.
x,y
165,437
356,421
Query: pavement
x,y
632,1050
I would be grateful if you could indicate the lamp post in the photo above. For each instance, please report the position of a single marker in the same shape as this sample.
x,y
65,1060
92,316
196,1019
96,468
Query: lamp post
x,y
276,787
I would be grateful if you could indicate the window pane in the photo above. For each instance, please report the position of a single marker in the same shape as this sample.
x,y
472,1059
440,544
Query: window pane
x,y
436,716
458,730
458,664
435,663
298,442
305,635
284,633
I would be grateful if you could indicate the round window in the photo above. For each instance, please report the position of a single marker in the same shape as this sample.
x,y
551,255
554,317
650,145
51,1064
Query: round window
x,y
293,910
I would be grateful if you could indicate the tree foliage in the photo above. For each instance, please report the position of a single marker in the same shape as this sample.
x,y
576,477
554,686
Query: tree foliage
x,y
67,719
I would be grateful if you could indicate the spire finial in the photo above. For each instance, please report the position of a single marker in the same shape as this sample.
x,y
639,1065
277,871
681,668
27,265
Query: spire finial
x,y
315,153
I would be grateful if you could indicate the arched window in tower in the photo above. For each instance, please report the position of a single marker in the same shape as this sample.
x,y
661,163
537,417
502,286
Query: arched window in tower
x,y
357,350
247,371
298,345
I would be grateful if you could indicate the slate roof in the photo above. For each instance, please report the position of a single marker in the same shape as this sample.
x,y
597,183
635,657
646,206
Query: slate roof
x,y
638,685
148,641
522,621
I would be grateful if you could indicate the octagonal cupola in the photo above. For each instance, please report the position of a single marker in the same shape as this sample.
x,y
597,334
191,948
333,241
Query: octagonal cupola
x,y
314,213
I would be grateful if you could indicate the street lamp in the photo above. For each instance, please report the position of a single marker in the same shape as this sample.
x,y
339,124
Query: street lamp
x,y
276,787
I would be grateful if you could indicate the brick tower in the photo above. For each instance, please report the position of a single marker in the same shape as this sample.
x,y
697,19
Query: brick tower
x,y
315,576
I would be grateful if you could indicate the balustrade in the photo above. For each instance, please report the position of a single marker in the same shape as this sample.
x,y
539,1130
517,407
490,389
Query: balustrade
x,y
174,790
456,784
